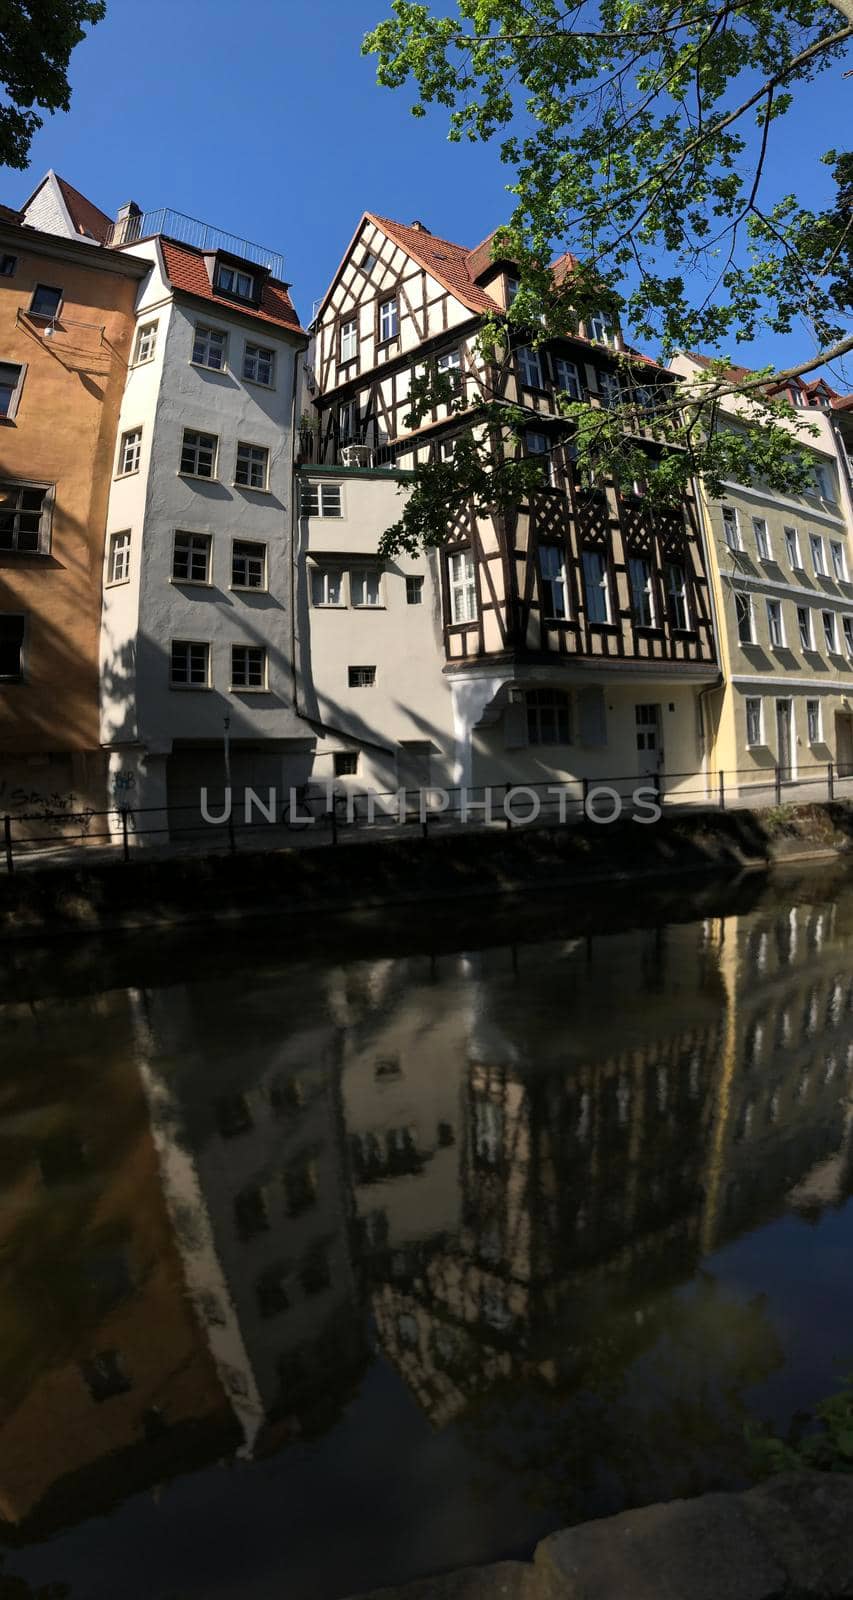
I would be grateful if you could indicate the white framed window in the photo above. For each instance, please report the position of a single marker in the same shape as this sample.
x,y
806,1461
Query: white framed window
x,y
321,500
744,616
610,389
567,377
191,557
829,630
446,449
596,584
774,624
816,547
529,366
676,596
641,583
792,548
25,513
232,280
45,302
248,666
366,587
248,565
348,421
847,625
129,452
259,365
731,527
118,558
555,588
804,623
754,721
824,480
839,561
549,716
348,341
146,343
190,664
361,677
512,288
389,320
600,329
813,721
449,365
762,538
198,454
538,444
462,583
252,468
327,586
414,589
12,632
11,383
209,347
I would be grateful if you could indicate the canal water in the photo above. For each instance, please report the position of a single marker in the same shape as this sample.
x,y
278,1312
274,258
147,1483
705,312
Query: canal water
x,y
322,1273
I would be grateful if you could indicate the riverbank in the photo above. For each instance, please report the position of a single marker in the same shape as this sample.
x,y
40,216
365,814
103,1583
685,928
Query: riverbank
x,y
789,1539
146,893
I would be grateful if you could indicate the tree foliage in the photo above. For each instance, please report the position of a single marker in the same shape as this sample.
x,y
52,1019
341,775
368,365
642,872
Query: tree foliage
x,y
637,135
36,41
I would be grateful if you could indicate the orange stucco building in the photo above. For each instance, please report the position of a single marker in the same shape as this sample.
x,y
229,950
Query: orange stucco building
x,y
66,321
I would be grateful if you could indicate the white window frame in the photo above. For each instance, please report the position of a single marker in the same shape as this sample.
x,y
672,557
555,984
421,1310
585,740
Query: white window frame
x,y
129,453
776,621
601,330
818,722
191,644
321,573
823,478
208,341
253,355
847,629
731,524
830,632
792,548
250,465
599,582
462,587
238,277
567,377
681,595
358,576
554,585
449,365
746,600
755,700
348,342
259,553
15,389
529,362
146,343
326,493
205,546
188,472
389,319
838,558
537,444
804,614
648,590
818,555
118,558
249,688
609,389
762,538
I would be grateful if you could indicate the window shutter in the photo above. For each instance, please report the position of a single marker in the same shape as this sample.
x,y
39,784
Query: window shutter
x,y
592,717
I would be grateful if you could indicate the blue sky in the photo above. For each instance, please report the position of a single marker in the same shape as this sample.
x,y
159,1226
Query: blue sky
x,y
266,120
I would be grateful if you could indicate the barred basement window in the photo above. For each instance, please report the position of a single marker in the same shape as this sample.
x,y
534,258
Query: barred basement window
x,y
198,454
190,664
191,558
248,565
248,666
361,677
25,510
252,466
321,500
209,347
259,364
345,763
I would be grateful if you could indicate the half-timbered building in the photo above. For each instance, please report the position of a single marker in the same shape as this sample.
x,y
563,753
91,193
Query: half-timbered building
x,y
574,634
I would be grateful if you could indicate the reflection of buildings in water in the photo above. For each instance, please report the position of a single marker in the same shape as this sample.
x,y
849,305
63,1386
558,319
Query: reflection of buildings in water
x,y
106,1382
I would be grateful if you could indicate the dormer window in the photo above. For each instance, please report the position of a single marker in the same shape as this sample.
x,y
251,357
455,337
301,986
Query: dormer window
x,y
600,329
512,288
231,280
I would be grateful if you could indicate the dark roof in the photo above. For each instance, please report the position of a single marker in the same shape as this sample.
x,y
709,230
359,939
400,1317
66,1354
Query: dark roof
x,y
86,217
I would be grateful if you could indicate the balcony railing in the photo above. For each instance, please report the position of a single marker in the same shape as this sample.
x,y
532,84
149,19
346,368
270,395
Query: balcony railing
x,y
355,452
200,235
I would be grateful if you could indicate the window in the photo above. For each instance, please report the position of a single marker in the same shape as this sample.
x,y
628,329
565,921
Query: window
x,y
345,763
414,590
816,547
774,624
753,722
762,538
45,301
804,623
366,586
792,547
813,721
248,565
839,564
529,366
450,365
368,262
11,384
248,666
252,466
361,677
446,449
566,377
389,320
7,266
463,586
146,340
11,647
538,444
548,716
209,347
609,389
259,364
190,664
349,341
25,518
642,592
105,1376
600,328
555,591
321,500
829,629
326,586
824,481
129,452
596,586
232,281
512,288
847,625
198,454
191,558
676,595
743,613
118,559
731,527
348,420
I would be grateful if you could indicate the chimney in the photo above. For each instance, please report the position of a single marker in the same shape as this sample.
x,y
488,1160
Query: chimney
x,y
126,227
419,227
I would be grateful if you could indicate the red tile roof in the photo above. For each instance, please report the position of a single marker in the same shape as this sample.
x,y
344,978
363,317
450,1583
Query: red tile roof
x,y
86,217
447,262
187,271
733,374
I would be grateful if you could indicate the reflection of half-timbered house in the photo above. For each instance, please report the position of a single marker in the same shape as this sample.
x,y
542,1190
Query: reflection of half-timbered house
x,y
572,636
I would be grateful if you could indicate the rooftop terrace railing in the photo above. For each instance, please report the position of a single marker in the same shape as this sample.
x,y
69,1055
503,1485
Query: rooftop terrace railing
x,y
190,231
